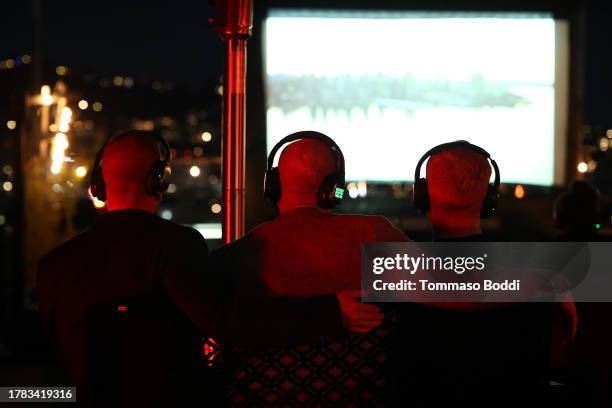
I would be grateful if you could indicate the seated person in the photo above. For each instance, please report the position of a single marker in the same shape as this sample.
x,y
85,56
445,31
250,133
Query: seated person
x,y
496,356
126,302
307,250
576,214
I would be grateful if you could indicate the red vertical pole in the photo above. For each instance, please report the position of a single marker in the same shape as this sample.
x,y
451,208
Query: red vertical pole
x,y
234,25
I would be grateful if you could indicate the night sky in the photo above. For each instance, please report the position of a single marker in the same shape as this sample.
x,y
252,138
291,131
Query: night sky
x,y
172,40
168,40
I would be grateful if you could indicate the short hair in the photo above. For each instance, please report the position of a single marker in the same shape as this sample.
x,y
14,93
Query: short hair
x,y
304,164
458,178
127,161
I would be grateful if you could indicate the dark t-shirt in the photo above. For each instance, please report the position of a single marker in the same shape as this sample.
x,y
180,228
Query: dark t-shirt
x,y
493,357
138,286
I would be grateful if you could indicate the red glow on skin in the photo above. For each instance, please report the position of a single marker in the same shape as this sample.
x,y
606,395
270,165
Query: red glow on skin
x,y
211,350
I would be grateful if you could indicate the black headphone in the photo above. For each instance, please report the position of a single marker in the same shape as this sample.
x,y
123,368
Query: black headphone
x,y
330,191
420,194
159,176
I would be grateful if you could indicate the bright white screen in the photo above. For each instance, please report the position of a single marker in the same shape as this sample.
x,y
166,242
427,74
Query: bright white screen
x,y
389,86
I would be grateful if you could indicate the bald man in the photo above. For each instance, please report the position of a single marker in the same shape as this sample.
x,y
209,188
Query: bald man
x,y
126,302
306,251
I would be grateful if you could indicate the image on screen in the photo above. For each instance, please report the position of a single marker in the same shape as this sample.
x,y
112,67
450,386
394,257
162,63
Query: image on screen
x,y
387,86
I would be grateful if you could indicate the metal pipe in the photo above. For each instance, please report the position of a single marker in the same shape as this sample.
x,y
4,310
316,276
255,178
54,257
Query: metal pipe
x,y
234,25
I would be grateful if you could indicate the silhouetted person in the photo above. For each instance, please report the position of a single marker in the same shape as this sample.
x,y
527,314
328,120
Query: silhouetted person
x,y
126,302
307,250
497,356
576,214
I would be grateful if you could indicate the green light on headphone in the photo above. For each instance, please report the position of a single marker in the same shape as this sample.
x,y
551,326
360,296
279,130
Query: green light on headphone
x,y
339,193
598,226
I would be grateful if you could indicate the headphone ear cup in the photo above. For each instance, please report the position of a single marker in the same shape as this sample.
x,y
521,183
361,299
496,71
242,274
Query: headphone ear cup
x,y
489,206
97,184
272,187
331,192
158,179
101,190
166,175
420,195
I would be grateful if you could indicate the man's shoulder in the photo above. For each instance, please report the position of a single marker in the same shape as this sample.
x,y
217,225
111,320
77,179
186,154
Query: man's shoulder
x,y
174,229
380,228
363,218
74,247
372,221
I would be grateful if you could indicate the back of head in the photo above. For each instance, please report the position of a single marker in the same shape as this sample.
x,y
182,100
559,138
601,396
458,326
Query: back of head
x,y
577,208
303,165
127,162
457,180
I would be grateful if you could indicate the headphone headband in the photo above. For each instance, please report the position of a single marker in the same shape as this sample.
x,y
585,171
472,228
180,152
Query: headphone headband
x,y
307,134
420,194
157,181
458,143
331,189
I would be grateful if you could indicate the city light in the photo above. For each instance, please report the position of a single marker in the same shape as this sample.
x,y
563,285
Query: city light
x,y
198,151
582,167
26,59
118,80
362,188
11,124
167,215
352,190
61,70
519,191
10,63
215,208
207,136
45,95
7,169
97,106
65,118
83,104
2,219
194,171
171,188
7,186
609,133
128,82
58,149
80,171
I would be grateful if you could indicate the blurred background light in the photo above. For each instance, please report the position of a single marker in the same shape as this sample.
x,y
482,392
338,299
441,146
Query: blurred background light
x,y
206,136
81,171
194,171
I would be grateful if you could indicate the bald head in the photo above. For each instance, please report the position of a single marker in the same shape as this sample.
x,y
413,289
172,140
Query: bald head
x,y
303,165
127,162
